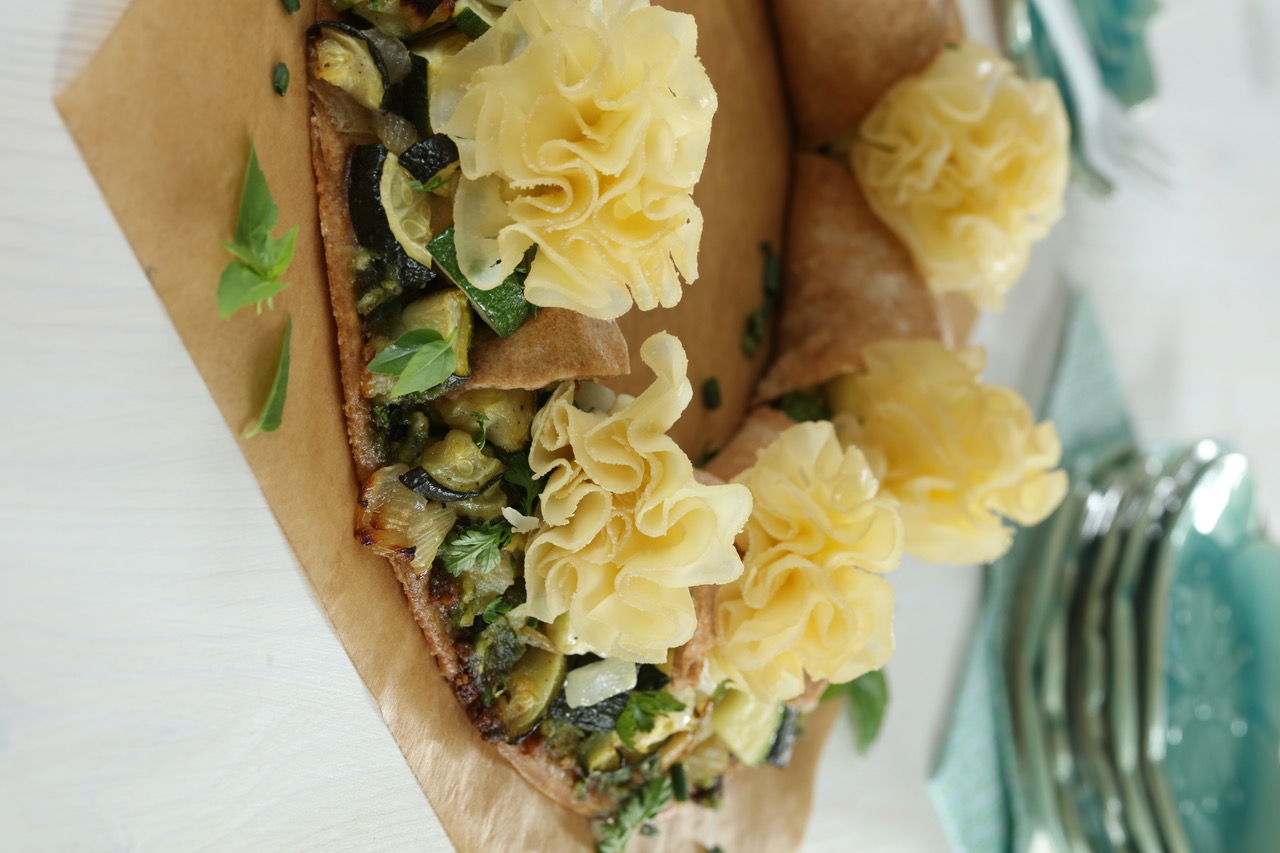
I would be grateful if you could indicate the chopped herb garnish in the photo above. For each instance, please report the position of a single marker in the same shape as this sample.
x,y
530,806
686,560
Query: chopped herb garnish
x,y
420,357
616,832
711,393
254,276
476,548
434,184
291,6
494,610
802,406
280,79
866,699
273,410
482,421
643,706
871,143
648,830
679,783
708,453
520,475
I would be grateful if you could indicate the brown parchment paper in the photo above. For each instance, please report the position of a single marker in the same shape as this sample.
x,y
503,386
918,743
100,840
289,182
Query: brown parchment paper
x,y
163,115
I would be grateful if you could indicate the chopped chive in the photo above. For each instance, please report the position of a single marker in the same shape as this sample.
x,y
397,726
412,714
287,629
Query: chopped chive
x,y
679,783
708,453
711,393
280,80
772,277
291,6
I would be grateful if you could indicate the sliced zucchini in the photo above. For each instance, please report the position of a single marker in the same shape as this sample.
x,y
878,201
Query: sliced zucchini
x,y
503,308
475,17
456,463
432,159
478,591
507,415
408,210
370,222
400,18
414,100
747,725
435,51
448,312
600,752
534,683
345,57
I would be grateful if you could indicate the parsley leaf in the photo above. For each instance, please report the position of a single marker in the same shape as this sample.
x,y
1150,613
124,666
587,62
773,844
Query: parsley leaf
x,y
434,184
476,548
800,406
420,357
866,699
520,475
494,609
482,421
641,709
273,410
260,259
616,832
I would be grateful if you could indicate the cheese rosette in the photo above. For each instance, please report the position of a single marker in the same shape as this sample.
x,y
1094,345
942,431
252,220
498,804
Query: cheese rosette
x,y
581,128
967,163
625,528
811,601
960,456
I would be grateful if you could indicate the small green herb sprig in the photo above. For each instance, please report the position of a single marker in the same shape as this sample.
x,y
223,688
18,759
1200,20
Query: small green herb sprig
x,y
641,712
643,806
520,475
260,259
421,358
476,548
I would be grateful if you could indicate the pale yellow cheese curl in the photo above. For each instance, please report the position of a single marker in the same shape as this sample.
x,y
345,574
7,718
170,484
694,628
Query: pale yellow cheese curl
x,y
960,456
582,127
967,162
626,530
810,601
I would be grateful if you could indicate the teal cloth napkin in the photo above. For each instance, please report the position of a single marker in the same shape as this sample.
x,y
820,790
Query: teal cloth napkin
x,y
974,785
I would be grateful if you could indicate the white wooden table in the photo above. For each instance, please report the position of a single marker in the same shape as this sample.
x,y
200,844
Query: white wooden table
x,y
167,678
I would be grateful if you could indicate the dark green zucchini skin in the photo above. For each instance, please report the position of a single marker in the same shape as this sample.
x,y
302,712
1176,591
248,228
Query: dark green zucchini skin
x,y
784,742
369,219
424,160
420,481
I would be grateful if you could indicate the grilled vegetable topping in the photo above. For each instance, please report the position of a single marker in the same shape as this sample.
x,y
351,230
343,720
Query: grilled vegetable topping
x,y
345,57
503,308
534,683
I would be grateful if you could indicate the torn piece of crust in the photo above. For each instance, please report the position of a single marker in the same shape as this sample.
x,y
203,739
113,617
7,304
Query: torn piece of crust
x,y
849,282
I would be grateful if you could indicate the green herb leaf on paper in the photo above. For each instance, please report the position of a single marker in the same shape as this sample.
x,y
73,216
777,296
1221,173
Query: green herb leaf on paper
x,y
280,79
422,358
291,6
866,699
260,259
273,409
476,548
641,711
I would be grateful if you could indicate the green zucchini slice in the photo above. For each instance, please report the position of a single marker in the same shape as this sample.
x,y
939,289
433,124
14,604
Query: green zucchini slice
x,y
345,57
431,159
475,17
408,210
370,221
503,308
534,683
747,725
400,18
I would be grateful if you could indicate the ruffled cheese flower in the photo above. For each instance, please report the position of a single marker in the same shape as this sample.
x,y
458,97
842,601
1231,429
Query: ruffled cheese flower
x,y
810,601
582,128
626,530
967,163
960,456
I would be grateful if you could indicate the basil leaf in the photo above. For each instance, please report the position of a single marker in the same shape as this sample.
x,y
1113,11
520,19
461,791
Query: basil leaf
x,y
258,211
866,699
420,357
273,410
241,286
